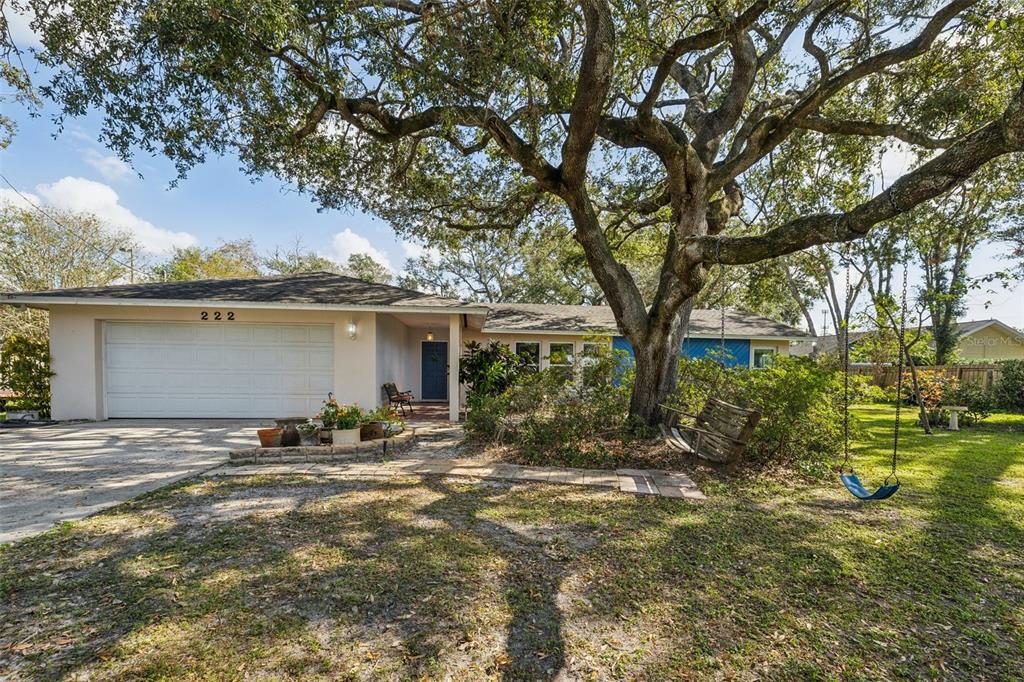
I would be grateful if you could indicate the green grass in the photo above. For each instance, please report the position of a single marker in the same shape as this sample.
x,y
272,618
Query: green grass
x,y
769,579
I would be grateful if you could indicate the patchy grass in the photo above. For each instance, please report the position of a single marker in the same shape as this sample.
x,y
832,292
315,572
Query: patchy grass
x,y
270,578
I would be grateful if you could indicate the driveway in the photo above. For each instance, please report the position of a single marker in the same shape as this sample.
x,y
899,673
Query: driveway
x,y
67,471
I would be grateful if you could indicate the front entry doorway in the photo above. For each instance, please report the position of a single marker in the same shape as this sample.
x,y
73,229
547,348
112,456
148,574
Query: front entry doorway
x,y
434,370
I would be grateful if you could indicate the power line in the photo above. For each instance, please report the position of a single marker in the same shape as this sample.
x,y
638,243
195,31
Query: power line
x,y
71,231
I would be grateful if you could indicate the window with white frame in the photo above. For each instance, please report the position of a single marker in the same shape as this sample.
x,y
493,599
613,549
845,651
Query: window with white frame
x,y
561,357
531,351
591,353
763,357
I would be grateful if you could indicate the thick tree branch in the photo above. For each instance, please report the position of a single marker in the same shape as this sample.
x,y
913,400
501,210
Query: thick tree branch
x,y
591,90
944,172
700,41
870,129
773,130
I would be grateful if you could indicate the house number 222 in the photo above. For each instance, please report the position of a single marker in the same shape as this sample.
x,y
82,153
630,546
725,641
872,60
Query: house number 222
x,y
204,315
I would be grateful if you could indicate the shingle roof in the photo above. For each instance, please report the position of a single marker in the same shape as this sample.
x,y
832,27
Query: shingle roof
x,y
829,343
323,288
581,319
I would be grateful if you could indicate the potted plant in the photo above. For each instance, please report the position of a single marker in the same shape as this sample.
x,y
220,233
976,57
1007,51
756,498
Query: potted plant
x,y
270,438
309,433
328,416
380,423
346,425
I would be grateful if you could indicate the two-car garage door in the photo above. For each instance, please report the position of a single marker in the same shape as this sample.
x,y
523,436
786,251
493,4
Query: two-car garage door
x,y
171,369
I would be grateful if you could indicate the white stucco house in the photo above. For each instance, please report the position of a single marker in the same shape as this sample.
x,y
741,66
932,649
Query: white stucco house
x,y
275,346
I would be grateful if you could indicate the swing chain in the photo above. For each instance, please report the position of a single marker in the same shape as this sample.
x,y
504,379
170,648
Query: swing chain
x,y
901,342
846,366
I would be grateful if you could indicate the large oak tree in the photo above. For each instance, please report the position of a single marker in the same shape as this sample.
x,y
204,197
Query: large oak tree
x,y
620,116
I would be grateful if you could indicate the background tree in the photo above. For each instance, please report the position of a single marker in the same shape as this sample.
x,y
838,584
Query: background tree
x,y
55,250
231,260
363,266
638,116
297,260
944,234
532,267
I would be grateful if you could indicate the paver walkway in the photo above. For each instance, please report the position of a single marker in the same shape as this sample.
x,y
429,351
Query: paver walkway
x,y
640,481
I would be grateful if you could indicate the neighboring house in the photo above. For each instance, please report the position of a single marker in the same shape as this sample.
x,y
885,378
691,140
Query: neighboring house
x,y
275,346
980,341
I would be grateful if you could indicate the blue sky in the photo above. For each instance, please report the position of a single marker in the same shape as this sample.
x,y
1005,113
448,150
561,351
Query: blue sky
x,y
218,203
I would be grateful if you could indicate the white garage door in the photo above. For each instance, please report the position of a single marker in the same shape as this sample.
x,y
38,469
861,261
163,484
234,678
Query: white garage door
x,y
217,370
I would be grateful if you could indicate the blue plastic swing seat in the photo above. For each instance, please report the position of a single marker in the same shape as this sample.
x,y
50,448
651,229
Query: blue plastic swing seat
x,y
858,490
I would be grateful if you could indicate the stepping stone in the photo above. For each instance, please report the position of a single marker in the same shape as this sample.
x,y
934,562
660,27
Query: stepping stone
x,y
636,483
601,477
681,492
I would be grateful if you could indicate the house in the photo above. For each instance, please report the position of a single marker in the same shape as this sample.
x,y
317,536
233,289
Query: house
x,y
275,346
981,341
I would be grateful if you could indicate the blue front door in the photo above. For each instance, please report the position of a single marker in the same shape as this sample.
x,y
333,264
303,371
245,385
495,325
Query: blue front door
x,y
435,370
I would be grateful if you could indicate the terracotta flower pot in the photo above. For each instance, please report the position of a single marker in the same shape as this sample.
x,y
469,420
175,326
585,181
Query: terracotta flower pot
x,y
270,438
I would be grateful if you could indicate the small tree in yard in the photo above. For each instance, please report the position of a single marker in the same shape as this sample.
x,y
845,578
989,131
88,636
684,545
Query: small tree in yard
x,y
25,370
618,119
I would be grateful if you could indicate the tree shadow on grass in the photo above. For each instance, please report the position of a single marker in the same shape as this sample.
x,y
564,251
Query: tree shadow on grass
x,y
343,578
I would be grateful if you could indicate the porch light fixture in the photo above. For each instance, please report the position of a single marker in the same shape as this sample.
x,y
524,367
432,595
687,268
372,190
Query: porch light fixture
x,y
430,335
351,329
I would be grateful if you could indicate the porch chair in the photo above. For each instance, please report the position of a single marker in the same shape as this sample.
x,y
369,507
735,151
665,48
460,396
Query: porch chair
x,y
397,398
720,432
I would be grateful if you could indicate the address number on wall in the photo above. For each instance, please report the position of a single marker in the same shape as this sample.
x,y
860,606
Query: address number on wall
x,y
217,315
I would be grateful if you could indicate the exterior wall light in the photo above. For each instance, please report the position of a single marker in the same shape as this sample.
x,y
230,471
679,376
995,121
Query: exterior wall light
x,y
351,329
430,335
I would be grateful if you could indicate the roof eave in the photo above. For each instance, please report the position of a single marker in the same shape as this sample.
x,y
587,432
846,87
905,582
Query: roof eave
x,y
46,302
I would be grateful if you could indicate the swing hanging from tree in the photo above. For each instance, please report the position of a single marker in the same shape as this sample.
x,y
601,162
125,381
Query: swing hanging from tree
x,y
847,476
722,430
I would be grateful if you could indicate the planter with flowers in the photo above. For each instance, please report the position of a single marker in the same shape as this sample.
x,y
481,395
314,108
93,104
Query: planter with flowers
x,y
346,425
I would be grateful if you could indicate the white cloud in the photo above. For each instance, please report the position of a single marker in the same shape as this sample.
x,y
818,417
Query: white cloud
x,y
79,194
109,166
348,242
23,200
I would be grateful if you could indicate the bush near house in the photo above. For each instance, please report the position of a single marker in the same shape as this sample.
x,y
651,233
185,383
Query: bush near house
x,y
1009,390
490,370
551,418
25,370
580,422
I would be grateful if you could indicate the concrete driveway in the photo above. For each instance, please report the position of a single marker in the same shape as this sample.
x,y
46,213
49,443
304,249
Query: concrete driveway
x,y
67,471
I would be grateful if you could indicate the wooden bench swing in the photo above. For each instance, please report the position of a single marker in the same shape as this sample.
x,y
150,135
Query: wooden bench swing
x,y
720,432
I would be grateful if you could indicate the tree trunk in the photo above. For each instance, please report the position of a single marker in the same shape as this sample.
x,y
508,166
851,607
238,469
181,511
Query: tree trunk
x,y
657,366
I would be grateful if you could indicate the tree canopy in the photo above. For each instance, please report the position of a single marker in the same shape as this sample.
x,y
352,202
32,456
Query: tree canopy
x,y
616,117
55,250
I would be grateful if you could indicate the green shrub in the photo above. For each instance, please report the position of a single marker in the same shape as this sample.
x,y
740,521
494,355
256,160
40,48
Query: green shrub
x,y
1009,390
25,370
978,401
551,420
490,370
862,390
802,413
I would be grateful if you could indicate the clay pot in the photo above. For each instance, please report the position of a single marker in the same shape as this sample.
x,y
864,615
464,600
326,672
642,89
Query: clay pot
x,y
371,431
270,438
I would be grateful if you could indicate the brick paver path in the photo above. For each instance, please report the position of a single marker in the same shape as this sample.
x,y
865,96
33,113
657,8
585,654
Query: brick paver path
x,y
639,481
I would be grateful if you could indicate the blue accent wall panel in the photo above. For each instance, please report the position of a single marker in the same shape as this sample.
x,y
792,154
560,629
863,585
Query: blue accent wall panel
x,y
737,350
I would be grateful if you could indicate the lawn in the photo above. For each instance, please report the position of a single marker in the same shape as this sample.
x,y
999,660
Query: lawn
x,y
410,579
